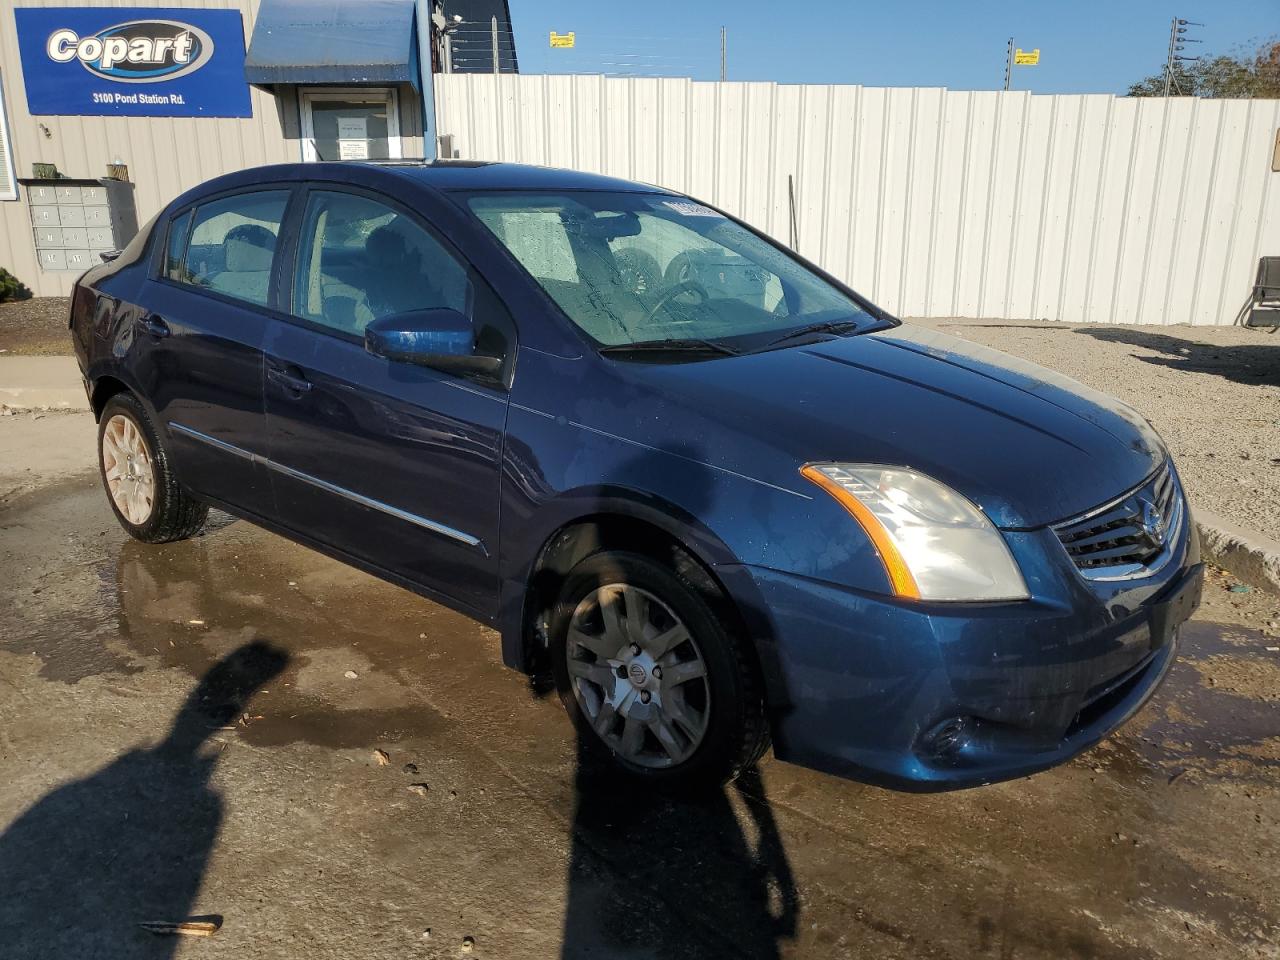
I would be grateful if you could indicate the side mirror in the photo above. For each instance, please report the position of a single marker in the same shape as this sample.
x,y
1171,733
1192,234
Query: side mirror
x,y
440,338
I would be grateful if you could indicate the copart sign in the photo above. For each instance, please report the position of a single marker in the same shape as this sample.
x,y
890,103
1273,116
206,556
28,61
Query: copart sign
x,y
133,61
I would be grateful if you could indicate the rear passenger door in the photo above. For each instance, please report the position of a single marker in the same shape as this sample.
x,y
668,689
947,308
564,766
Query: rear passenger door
x,y
199,350
393,463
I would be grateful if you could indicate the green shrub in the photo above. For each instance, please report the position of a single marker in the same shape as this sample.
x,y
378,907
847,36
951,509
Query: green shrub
x,y
11,288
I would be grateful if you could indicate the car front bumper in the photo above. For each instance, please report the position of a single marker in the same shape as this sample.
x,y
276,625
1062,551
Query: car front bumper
x,y
944,696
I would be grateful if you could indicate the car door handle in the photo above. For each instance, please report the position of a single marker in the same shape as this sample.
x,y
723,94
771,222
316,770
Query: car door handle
x,y
154,325
291,378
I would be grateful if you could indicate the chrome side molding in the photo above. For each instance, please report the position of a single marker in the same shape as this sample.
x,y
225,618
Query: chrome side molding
x,y
424,522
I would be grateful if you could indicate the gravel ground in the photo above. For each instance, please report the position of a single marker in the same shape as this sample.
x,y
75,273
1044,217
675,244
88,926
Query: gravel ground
x,y
1212,392
35,327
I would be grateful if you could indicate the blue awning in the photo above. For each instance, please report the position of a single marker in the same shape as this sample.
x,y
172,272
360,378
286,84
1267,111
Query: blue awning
x,y
332,41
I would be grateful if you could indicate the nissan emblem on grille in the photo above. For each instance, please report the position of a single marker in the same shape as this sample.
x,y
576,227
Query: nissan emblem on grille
x,y
1131,535
1153,523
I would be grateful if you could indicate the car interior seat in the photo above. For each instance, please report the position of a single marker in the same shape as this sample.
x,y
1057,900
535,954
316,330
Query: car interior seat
x,y
249,249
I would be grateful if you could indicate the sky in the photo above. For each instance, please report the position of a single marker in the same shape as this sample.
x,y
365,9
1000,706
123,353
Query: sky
x,y
1085,47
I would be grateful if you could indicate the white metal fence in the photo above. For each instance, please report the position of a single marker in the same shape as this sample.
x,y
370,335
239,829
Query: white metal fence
x,y
932,202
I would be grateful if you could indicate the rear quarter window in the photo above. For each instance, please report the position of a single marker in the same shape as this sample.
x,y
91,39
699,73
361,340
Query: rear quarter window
x,y
232,245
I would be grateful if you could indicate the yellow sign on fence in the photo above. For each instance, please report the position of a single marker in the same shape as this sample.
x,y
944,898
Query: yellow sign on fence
x,y
562,39
1026,58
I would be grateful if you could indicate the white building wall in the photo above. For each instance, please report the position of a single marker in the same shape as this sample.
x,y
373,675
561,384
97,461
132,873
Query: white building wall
x,y
932,202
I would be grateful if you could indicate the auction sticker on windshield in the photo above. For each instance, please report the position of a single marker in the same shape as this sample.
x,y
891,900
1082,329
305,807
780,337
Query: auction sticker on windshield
x,y
688,208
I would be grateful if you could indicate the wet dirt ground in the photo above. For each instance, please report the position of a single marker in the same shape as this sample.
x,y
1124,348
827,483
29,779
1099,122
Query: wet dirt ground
x,y
190,730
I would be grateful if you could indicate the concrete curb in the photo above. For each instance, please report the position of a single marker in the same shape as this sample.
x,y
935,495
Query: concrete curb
x,y
1245,554
28,383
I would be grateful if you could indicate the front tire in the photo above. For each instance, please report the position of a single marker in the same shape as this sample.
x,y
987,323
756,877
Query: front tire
x,y
141,488
650,676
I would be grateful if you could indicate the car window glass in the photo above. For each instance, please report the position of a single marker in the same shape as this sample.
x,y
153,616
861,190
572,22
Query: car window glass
x,y
176,246
538,239
629,267
233,242
359,260
664,254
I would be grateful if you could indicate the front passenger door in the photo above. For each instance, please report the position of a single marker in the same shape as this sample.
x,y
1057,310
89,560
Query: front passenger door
x,y
394,463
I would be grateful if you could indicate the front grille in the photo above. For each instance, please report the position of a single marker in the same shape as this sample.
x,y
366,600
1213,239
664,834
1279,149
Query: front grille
x,y
1129,536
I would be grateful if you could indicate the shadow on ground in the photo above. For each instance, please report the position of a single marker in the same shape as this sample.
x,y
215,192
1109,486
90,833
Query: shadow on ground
x,y
1253,365
93,859
659,877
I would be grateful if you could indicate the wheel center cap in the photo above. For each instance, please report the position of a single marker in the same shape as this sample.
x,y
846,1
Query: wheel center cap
x,y
637,674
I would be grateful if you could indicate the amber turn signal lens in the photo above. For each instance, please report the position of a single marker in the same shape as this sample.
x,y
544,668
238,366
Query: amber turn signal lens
x,y
900,578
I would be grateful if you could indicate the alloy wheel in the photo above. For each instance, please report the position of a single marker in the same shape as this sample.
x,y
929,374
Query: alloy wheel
x,y
126,464
638,676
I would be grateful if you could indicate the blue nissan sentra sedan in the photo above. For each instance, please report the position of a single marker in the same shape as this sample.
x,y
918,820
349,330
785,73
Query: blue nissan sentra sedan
x,y
722,499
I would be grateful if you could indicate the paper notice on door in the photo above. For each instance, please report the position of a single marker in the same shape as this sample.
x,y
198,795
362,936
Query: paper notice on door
x,y
353,149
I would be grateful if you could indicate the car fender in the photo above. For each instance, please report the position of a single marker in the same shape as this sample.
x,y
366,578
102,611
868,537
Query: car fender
x,y
117,370
584,503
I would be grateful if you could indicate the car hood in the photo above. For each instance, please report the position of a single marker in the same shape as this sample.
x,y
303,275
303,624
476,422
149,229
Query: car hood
x,y
1028,445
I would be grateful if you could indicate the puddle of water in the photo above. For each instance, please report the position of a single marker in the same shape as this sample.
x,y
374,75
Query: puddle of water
x,y
98,604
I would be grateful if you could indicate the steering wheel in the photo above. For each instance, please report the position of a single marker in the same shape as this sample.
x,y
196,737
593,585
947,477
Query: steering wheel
x,y
678,290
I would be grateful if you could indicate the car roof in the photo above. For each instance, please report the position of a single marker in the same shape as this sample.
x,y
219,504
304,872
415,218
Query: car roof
x,y
488,175
435,175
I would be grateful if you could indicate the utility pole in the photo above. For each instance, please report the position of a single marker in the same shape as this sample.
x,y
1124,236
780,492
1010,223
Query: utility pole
x,y
1008,66
722,75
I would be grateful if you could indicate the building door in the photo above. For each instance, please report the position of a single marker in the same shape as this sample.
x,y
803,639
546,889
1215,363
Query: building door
x,y
355,124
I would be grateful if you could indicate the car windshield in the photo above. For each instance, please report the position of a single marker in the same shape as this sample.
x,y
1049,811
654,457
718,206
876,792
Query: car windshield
x,y
655,269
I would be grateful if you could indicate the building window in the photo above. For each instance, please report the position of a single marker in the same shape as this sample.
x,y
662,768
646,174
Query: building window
x,y
8,180
357,124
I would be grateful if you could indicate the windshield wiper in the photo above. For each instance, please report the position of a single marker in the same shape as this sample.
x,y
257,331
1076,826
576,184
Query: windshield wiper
x,y
672,345
827,326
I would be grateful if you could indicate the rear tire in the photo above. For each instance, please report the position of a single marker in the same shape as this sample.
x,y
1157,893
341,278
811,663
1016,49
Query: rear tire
x,y
651,678
141,488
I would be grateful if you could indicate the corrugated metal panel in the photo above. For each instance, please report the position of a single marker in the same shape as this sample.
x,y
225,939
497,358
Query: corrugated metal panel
x,y
933,202
8,178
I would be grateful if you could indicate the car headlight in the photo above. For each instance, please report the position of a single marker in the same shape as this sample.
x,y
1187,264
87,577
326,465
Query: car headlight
x,y
935,544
